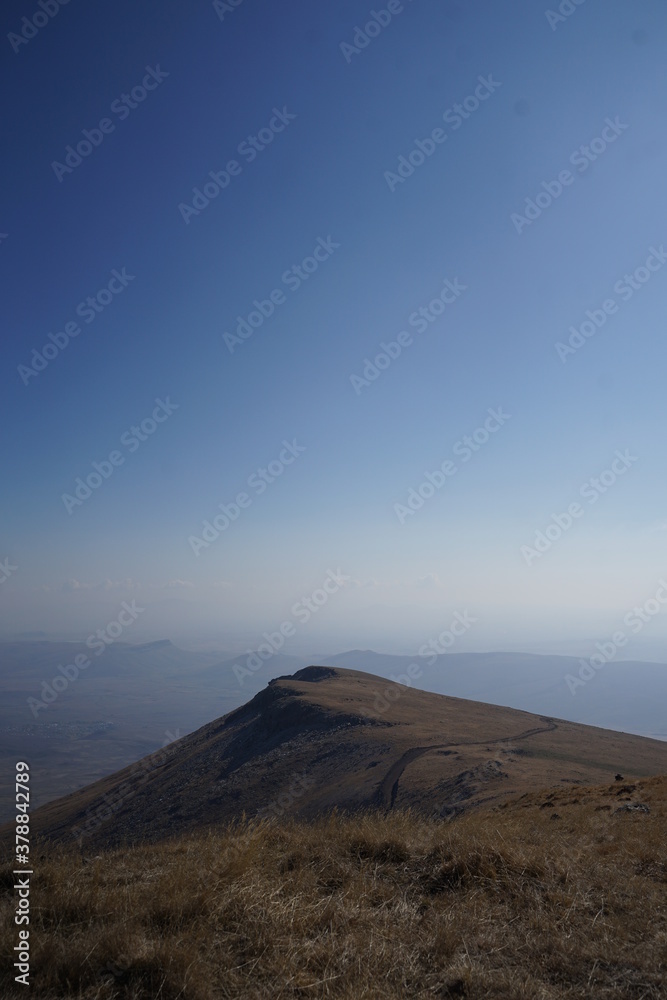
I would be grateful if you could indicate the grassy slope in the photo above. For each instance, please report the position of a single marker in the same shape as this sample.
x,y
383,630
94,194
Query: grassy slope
x,y
508,903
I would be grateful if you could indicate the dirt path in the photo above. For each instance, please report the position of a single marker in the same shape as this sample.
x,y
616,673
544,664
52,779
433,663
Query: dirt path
x,y
388,788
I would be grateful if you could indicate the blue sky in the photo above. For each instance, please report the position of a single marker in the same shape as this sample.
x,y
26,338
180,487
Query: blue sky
x,y
223,76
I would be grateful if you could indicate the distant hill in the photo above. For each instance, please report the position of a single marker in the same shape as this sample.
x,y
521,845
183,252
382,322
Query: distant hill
x,y
331,737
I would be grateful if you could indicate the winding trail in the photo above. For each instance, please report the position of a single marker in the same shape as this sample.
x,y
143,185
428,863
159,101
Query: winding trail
x,y
388,789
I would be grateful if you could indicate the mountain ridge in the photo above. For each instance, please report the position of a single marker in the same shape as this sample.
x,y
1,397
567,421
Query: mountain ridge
x,y
431,753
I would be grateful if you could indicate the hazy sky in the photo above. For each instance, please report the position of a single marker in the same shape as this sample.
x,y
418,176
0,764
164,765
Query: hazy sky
x,y
322,139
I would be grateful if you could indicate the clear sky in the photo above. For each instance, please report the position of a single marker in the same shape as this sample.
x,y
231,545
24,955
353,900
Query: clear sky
x,y
322,139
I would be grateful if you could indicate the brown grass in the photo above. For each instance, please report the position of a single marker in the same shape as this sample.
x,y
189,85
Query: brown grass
x,y
509,904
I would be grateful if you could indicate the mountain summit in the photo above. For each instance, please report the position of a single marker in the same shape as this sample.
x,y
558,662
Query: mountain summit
x,y
326,738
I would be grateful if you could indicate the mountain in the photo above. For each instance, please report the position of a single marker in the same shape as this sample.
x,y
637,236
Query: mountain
x,y
330,737
133,699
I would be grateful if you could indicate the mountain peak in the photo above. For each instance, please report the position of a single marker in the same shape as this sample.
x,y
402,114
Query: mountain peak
x,y
351,741
307,674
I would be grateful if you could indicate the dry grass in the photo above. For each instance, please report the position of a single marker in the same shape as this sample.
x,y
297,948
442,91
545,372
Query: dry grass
x,y
509,904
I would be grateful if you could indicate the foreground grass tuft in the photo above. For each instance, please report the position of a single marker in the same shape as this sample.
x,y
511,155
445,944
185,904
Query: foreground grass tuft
x,y
509,904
